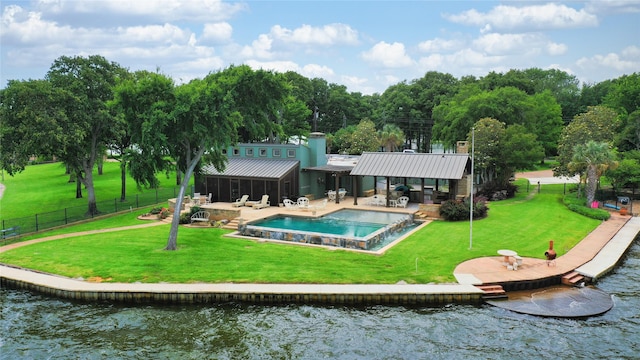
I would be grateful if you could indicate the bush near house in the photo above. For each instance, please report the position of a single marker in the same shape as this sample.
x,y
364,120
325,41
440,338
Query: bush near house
x,y
455,210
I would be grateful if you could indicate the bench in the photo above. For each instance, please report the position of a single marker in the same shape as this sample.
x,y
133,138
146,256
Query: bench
x,y
10,232
200,216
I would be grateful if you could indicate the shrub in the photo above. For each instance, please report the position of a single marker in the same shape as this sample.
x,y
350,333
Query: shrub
x,y
453,210
577,204
185,218
163,214
497,191
155,210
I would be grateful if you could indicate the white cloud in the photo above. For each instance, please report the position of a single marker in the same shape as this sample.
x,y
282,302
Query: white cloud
x,y
260,48
627,61
216,33
535,17
278,66
554,49
388,55
526,44
158,34
317,71
438,45
27,27
330,34
165,10
461,63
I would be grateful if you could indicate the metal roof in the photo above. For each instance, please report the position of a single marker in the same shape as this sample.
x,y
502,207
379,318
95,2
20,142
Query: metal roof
x,y
420,165
331,168
253,168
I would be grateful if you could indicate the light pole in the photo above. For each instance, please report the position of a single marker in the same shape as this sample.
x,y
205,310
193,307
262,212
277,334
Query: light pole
x,y
473,133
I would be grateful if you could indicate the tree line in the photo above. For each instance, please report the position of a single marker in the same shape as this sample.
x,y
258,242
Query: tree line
x,y
86,105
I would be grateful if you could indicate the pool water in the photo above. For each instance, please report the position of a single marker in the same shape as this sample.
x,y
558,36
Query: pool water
x,y
347,228
321,225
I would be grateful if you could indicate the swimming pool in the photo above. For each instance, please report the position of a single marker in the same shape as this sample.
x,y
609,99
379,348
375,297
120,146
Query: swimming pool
x,y
346,228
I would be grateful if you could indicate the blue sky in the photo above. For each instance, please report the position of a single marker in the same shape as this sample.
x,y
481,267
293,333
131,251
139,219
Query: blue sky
x,y
365,45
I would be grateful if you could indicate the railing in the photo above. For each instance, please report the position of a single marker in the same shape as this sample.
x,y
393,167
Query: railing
x,y
47,220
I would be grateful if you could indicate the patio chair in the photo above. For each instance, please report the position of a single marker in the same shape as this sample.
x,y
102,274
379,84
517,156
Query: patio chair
x,y
402,201
241,202
303,203
207,200
289,204
263,203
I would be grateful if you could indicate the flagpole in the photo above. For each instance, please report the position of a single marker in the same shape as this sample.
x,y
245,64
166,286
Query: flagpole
x,y
473,130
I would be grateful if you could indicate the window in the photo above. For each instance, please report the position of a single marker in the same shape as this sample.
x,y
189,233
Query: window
x,y
291,153
236,151
224,151
248,152
263,152
276,153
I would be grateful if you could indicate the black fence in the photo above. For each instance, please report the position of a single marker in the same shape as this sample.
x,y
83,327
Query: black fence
x,y
51,219
602,195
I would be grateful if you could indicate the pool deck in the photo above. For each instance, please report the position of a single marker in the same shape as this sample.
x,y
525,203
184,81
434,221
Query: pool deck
x,y
595,255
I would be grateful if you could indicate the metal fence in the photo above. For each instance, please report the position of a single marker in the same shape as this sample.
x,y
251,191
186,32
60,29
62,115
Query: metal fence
x,y
51,219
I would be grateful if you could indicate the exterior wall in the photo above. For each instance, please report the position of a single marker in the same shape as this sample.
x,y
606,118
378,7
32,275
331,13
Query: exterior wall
x,y
302,182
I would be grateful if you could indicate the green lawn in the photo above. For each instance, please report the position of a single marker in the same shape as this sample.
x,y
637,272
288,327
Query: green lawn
x,y
43,188
525,224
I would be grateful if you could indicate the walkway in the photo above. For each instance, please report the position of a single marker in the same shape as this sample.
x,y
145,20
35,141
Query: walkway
x,y
490,270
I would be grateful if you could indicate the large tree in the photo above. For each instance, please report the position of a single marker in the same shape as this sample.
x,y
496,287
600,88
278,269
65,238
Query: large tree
x,y
142,102
30,122
208,116
391,137
599,124
89,81
501,150
596,157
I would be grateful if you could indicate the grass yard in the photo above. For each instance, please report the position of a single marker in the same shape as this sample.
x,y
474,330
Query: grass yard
x,y
525,224
46,187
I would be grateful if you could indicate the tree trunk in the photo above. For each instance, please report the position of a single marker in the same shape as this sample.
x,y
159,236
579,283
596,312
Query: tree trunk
x,y
92,209
592,182
178,178
78,186
172,242
123,180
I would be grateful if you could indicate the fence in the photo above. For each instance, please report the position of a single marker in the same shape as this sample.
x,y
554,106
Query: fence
x,y
564,188
48,220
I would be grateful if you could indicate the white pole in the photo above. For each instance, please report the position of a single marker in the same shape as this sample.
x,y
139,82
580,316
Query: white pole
x,y
473,133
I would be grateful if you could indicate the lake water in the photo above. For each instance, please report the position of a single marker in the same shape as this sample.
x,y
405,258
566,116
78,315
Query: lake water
x,y
37,327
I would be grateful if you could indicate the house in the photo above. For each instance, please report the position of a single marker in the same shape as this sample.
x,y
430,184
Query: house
x,y
293,170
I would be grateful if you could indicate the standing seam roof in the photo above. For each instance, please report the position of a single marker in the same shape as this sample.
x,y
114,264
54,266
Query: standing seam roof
x,y
253,168
429,166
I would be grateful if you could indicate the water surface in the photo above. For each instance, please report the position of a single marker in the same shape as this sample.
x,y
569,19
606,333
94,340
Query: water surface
x,y
37,327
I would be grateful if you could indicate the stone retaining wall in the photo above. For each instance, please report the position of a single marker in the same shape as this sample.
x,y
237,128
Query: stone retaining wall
x,y
422,299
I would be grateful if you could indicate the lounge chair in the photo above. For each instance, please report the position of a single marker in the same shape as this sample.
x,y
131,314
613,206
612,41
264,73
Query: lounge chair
x,y
241,202
321,206
378,200
263,203
289,204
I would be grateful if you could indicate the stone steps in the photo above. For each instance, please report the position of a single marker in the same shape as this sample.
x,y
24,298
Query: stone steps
x,y
493,292
572,278
232,224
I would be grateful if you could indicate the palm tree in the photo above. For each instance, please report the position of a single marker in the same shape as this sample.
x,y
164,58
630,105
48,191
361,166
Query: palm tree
x,y
391,136
595,157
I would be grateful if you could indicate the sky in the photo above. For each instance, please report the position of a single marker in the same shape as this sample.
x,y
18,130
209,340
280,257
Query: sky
x,y
366,46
